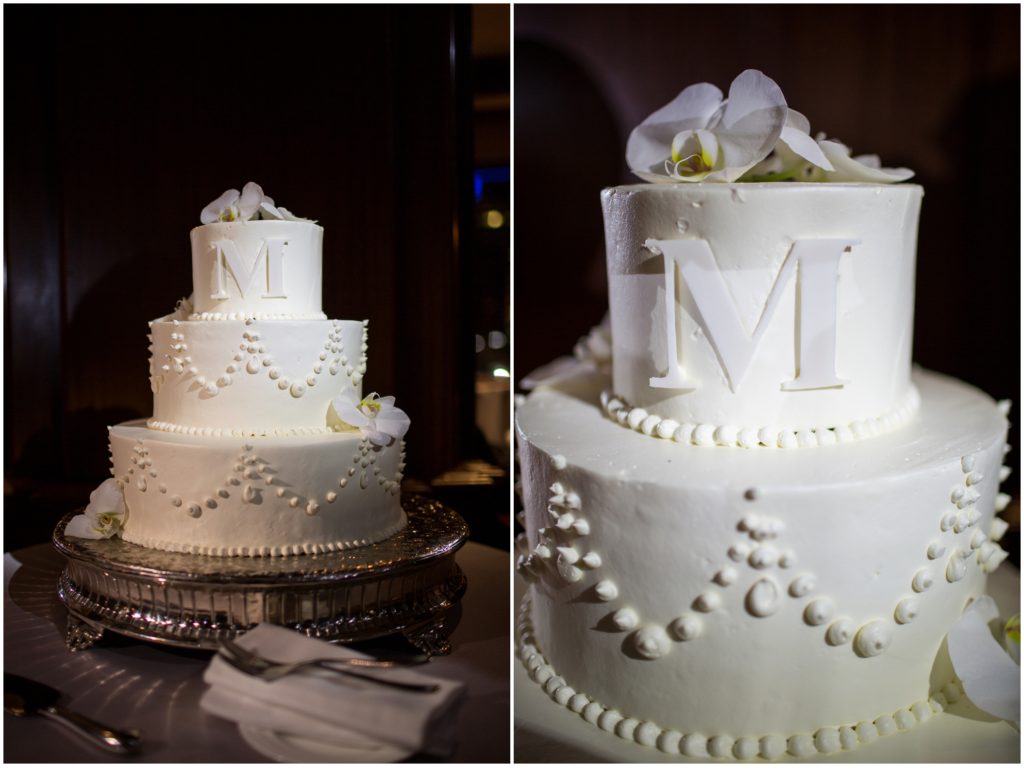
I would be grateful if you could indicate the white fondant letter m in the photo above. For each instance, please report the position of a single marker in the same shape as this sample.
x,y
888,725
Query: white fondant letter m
x,y
818,263
271,250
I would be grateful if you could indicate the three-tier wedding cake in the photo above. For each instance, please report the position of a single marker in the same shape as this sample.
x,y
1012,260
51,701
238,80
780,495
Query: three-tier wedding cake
x,y
261,442
750,523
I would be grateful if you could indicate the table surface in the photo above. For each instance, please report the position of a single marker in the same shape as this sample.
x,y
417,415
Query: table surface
x,y
156,689
546,732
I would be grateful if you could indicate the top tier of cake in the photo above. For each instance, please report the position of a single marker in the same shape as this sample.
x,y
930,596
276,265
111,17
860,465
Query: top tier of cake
x,y
749,307
257,269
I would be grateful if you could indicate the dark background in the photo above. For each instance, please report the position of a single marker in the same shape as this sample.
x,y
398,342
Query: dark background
x,y
934,88
123,122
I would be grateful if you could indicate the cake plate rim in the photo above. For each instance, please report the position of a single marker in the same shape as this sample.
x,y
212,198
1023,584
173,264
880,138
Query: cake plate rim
x,y
408,584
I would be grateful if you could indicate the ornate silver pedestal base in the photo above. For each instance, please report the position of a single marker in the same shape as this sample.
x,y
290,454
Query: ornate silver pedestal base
x,y
408,584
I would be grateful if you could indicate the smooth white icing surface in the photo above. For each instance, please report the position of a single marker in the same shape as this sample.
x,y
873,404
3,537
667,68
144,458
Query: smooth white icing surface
x,y
252,377
749,232
243,496
789,583
257,267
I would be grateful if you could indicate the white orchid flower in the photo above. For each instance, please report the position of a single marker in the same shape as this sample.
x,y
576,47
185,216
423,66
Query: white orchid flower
x,y
286,215
863,168
699,137
374,416
797,156
105,515
223,209
989,674
270,211
233,205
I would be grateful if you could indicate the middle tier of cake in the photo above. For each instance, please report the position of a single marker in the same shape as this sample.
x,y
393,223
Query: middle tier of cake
x,y
252,377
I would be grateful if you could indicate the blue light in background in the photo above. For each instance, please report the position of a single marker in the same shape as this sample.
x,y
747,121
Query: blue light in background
x,y
487,176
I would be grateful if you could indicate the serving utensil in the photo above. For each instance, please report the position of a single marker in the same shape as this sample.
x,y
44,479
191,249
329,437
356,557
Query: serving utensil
x,y
269,670
25,697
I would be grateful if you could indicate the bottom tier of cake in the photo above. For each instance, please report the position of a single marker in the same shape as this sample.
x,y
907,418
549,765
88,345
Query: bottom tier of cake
x,y
256,496
724,594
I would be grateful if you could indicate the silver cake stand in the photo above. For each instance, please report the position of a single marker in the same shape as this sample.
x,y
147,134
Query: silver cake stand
x,y
407,584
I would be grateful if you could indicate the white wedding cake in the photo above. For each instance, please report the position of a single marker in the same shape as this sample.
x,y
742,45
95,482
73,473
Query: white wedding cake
x,y
750,523
261,442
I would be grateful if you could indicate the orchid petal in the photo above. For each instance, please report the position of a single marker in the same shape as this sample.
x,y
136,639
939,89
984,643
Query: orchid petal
x,y
292,216
213,210
108,497
795,119
393,421
346,408
740,152
755,103
82,526
377,437
807,148
249,203
848,169
871,161
989,675
754,116
269,212
650,141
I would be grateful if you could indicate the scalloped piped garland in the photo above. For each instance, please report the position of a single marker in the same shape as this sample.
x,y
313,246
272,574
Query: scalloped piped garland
x,y
704,434
824,741
869,638
253,469
258,362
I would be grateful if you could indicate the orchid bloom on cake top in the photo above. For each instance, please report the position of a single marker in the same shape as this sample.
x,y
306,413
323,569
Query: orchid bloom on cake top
x,y
105,515
751,136
376,417
251,204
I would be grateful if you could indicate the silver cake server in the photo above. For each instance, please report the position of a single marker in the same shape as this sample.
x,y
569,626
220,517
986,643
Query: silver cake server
x,y
25,697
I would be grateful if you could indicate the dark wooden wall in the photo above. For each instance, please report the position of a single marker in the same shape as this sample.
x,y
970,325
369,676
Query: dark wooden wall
x,y
935,88
123,122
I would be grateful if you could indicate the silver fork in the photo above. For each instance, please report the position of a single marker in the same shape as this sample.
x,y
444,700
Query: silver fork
x,y
269,670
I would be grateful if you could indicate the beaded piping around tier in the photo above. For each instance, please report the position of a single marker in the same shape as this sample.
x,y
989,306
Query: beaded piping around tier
x,y
318,316
236,432
707,434
824,740
281,550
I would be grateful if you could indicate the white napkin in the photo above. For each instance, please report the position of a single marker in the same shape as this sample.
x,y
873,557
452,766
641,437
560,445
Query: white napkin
x,y
332,708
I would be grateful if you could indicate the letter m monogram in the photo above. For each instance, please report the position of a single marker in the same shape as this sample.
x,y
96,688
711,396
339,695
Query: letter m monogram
x,y
269,255
818,264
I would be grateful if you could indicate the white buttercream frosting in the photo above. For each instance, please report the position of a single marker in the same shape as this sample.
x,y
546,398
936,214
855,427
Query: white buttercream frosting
x,y
742,309
824,740
252,377
270,496
703,544
268,267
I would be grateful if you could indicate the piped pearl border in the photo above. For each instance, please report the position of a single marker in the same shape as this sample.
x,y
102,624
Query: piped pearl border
x,y
705,434
257,316
236,432
309,548
824,741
